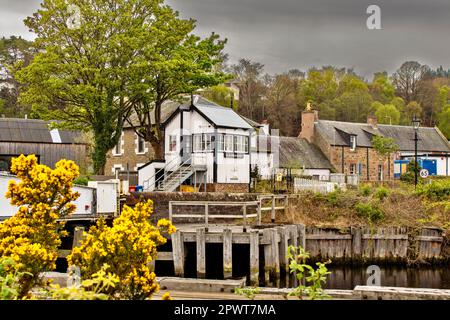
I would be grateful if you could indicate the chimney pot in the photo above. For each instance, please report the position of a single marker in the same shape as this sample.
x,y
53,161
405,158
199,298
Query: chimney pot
x,y
372,121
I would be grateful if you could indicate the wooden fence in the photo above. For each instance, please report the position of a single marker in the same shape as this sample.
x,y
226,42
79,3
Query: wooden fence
x,y
272,203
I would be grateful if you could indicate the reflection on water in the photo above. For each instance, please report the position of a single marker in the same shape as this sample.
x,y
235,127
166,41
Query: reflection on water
x,y
348,278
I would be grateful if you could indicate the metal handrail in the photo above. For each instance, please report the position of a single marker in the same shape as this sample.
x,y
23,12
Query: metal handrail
x,y
173,172
154,176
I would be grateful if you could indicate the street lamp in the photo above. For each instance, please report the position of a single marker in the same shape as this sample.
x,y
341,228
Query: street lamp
x,y
416,125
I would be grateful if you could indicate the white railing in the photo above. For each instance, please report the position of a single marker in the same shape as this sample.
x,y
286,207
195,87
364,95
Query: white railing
x,y
301,184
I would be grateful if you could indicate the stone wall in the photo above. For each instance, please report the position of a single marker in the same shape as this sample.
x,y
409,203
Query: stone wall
x,y
228,187
129,155
359,156
161,202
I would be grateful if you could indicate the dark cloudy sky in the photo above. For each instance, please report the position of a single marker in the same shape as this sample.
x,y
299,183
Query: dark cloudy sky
x,y
285,34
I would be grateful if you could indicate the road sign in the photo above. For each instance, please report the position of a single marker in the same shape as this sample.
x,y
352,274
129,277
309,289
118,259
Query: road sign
x,y
424,173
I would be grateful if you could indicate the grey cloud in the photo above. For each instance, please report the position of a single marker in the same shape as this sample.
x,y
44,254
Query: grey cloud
x,y
285,34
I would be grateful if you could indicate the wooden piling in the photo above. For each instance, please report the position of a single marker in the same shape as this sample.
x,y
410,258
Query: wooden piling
x,y
284,261
227,254
275,257
254,258
356,242
268,263
201,248
301,235
178,253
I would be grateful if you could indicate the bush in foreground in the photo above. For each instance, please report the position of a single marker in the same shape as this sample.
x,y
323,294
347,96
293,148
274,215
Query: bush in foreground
x,y
128,248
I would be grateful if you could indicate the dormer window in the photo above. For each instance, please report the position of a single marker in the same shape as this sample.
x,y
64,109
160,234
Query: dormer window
x,y
352,142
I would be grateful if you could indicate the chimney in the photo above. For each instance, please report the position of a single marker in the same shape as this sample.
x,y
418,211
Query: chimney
x,y
372,121
265,127
309,116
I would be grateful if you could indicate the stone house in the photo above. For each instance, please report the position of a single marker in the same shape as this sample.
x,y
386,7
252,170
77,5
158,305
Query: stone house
x,y
132,151
348,146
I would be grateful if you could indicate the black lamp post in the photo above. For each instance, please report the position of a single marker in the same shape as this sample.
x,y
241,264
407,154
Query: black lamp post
x,y
416,125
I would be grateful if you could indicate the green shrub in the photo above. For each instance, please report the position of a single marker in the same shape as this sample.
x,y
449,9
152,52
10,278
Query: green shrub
x,y
409,176
439,189
370,211
81,181
381,193
365,190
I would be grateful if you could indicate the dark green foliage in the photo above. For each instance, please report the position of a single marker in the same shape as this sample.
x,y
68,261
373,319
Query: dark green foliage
x,y
381,193
371,211
81,181
436,190
365,190
408,176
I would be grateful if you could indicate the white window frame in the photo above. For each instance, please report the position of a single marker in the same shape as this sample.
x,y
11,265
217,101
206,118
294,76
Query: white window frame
x,y
173,139
120,146
240,145
352,142
138,139
228,144
115,167
354,168
197,143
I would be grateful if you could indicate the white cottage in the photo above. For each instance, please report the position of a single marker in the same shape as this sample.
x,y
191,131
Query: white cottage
x,y
206,147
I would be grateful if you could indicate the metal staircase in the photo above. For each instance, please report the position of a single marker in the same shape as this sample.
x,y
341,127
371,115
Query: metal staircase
x,y
172,179
175,178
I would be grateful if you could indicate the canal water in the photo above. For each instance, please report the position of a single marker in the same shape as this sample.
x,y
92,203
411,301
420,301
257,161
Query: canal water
x,y
349,277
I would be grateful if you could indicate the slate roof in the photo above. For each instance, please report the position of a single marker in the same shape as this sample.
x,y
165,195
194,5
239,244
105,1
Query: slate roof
x,y
338,133
34,131
167,109
297,153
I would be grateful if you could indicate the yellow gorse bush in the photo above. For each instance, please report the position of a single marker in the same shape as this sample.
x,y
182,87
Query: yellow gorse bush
x,y
128,248
32,236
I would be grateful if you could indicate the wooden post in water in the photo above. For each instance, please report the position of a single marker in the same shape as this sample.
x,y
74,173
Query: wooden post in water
x,y
284,261
275,257
356,242
268,263
293,234
254,258
178,253
227,254
201,248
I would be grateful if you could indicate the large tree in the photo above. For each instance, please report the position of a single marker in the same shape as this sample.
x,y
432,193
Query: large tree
x,y
110,60
407,79
15,53
174,63
248,76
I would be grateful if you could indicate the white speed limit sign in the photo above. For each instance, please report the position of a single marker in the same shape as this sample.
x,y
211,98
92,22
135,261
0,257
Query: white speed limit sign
x,y
424,173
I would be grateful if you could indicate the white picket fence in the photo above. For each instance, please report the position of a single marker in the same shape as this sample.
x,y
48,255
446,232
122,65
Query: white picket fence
x,y
301,184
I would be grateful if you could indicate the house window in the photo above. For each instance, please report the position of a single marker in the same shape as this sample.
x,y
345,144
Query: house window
x,y
353,168
380,172
140,145
117,151
172,143
197,143
352,142
241,144
228,145
208,142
